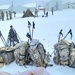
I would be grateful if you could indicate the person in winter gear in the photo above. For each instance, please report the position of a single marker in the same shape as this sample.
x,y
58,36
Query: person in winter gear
x,y
12,37
47,14
10,15
6,15
2,14
36,12
52,10
44,11
14,13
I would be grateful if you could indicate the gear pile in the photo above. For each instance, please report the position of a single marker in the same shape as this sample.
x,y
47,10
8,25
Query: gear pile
x,y
64,53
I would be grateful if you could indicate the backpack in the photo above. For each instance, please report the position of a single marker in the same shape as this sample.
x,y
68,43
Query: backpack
x,y
61,52
64,53
38,53
31,53
72,58
7,54
21,53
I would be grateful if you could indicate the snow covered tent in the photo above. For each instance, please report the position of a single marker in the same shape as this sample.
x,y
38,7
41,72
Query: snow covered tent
x,y
67,5
30,6
5,8
56,4
19,8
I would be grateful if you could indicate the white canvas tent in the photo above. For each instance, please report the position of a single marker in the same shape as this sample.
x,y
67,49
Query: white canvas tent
x,y
19,8
67,5
56,4
5,8
60,4
30,6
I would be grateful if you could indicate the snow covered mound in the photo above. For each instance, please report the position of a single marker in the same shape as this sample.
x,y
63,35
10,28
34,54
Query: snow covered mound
x,y
35,71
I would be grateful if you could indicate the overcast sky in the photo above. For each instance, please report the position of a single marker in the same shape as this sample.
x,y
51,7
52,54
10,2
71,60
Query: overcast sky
x,y
27,1
20,1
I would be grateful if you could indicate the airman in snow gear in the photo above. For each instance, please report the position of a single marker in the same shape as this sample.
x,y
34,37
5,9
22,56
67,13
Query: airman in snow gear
x,y
12,37
52,10
10,15
44,11
36,12
47,14
2,14
6,15
14,13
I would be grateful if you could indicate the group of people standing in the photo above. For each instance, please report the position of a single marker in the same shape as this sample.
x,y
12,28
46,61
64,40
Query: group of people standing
x,y
46,12
8,15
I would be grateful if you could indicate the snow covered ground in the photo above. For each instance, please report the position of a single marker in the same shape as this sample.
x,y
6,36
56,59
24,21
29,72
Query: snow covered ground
x,y
46,30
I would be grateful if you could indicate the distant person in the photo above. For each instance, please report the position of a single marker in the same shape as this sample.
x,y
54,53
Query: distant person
x,y
44,11
24,12
12,37
14,13
10,15
2,14
47,14
36,12
52,10
6,15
